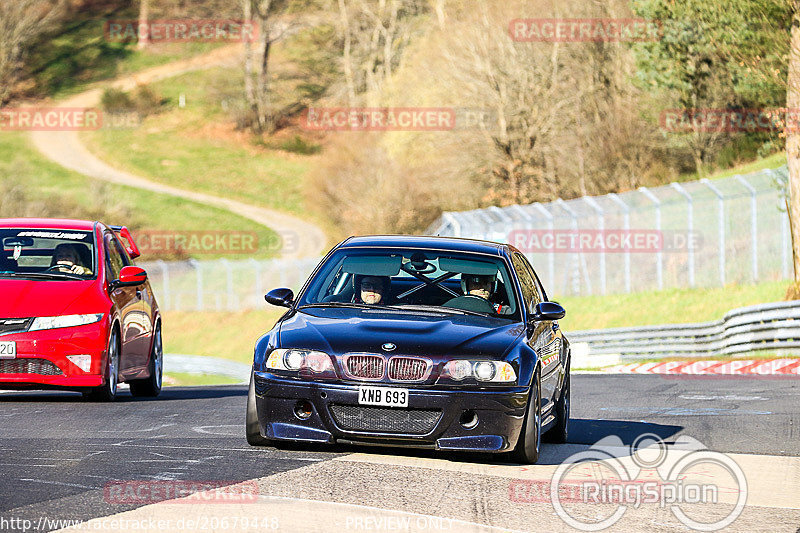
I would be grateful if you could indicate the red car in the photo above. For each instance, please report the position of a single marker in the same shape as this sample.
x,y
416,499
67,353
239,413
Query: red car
x,y
75,312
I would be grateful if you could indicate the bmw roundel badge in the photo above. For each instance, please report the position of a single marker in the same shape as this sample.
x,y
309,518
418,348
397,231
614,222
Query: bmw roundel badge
x,y
388,347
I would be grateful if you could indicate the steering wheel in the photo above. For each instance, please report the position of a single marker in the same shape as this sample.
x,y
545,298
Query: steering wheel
x,y
470,302
58,266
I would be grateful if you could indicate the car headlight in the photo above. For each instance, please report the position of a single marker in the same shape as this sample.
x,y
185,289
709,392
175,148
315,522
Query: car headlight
x,y
308,362
67,321
484,371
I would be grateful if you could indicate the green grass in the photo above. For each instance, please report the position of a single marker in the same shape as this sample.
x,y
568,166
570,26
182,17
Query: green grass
x,y
49,190
195,147
773,161
233,335
671,306
178,379
78,54
217,334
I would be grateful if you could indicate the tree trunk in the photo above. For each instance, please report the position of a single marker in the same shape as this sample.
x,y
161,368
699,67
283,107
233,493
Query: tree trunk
x,y
144,15
793,138
249,93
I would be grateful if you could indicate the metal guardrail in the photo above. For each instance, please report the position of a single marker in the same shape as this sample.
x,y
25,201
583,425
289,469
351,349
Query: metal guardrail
x,y
773,327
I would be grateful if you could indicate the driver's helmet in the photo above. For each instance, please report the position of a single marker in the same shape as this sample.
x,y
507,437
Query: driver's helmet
x,y
386,281
468,280
75,250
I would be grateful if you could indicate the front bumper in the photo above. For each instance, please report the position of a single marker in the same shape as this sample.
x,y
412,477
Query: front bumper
x,y
46,351
500,415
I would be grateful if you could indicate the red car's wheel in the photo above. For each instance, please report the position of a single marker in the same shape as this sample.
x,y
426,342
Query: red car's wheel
x,y
151,386
107,392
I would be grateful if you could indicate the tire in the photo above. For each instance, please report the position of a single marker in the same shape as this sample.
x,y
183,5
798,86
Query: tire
x,y
150,387
107,392
530,438
252,426
559,433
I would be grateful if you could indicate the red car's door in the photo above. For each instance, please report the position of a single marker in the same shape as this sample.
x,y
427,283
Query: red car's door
x,y
128,300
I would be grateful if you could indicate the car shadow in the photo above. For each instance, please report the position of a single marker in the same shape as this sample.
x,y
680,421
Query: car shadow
x,y
124,396
617,437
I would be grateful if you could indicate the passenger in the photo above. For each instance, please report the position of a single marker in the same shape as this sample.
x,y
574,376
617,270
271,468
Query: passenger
x,y
483,286
67,257
374,290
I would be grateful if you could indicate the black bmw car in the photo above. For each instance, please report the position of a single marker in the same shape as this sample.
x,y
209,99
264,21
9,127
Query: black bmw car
x,y
430,342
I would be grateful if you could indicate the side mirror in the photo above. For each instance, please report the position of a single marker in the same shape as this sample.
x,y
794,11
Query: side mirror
x,y
547,311
130,276
280,297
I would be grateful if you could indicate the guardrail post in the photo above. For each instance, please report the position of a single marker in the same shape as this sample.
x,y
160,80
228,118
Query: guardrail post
x,y
502,216
627,223
258,288
551,258
165,299
690,227
660,254
601,224
753,223
581,260
721,203
198,266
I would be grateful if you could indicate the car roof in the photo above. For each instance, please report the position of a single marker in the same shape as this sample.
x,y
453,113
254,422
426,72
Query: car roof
x,y
47,223
430,242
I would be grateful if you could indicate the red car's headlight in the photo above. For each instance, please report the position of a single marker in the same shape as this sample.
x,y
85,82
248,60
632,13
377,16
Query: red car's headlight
x,y
66,321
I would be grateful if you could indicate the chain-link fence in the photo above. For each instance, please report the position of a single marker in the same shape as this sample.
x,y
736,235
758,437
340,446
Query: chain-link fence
x,y
696,234
223,285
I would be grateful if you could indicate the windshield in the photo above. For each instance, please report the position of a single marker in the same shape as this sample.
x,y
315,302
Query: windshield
x,y
448,281
47,254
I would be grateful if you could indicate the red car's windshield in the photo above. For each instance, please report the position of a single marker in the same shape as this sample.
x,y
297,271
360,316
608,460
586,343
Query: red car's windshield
x,y
47,253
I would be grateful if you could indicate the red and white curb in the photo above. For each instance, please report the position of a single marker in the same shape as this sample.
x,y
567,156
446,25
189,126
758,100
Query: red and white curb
x,y
759,367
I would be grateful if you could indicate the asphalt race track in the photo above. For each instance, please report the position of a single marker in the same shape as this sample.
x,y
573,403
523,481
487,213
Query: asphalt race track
x,y
58,454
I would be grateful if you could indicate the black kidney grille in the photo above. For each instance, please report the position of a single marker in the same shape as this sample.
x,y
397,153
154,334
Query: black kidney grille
x,y
407,369
14,325
385,420
365,366
29,366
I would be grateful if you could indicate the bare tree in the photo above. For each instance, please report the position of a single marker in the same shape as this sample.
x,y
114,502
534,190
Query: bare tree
x,y
22,22
373,35
793,138
144,10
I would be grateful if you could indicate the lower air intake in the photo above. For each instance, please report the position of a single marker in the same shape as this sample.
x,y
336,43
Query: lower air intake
x,y
385,420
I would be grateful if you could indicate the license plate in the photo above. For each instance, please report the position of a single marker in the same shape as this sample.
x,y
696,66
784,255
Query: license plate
x,y
385,396
8,350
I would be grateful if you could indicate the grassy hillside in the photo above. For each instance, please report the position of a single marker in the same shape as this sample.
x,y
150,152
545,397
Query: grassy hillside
x,y
196,147
34,186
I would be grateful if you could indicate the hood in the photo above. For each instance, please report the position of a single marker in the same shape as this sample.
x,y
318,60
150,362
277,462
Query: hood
x,y
22,298
337,331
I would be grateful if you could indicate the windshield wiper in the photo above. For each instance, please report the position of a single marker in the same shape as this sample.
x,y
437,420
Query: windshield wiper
x,y
42,275
341,304
442,309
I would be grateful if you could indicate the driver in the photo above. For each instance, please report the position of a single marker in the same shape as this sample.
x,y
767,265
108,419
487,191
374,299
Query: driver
x,y
67,257
373,290
482,286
